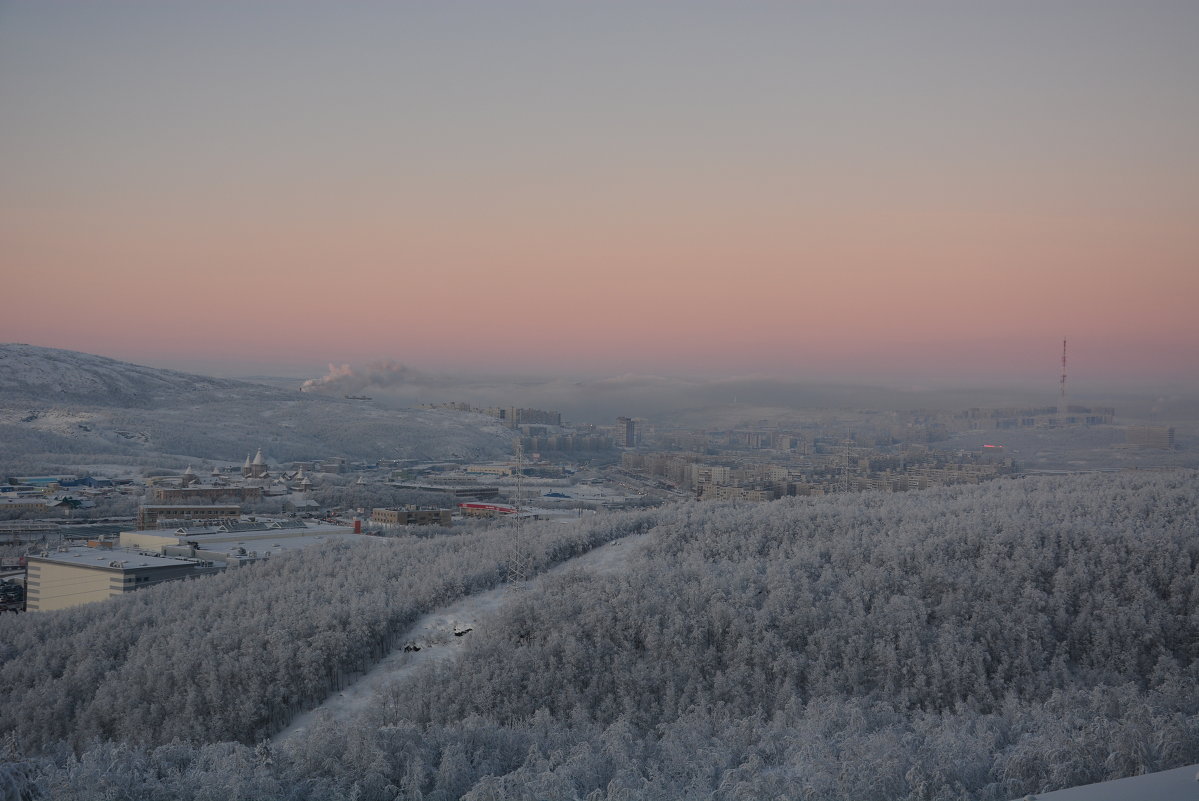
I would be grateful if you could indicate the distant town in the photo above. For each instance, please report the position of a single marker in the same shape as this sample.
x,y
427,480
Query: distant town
x,y
74,539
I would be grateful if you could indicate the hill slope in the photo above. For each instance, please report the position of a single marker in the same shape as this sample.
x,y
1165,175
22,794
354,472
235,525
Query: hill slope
x,y
975,642
979,642
52,376
60,406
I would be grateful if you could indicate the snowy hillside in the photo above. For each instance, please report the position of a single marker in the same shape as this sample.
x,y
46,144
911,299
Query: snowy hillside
x,y
979,642
984,642
60,406
52,376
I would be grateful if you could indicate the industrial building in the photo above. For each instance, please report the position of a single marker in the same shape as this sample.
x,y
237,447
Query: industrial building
x,y
490,469
461,491
208,492
22,505
487,509
248,542
1160,437
151,516
74,576
411,516
237,532
566,442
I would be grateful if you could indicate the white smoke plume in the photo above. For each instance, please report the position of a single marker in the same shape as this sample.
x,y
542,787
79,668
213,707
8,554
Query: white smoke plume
x,y
349,380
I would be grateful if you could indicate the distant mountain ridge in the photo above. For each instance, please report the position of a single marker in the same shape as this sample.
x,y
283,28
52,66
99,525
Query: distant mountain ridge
x,y
51,374
68,407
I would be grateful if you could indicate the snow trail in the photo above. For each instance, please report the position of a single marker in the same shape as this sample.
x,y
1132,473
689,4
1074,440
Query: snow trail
x,y
435,634
1167,785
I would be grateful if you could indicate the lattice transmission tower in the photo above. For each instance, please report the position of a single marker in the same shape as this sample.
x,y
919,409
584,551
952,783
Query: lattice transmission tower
x,y
518,557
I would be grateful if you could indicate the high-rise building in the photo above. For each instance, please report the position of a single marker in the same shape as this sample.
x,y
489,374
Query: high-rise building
x,y
1150,436
626,432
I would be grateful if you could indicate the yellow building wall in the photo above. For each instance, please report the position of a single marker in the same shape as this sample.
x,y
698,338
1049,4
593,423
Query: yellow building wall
x,y
150,540
491,469
64,586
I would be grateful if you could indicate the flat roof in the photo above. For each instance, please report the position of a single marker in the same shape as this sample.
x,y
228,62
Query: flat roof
x,y
223,530
93,529
282,544
255,531
107,559
192,506
291,529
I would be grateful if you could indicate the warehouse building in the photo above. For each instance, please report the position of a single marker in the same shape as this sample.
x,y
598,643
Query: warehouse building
x,y
70,577
74,576
410,516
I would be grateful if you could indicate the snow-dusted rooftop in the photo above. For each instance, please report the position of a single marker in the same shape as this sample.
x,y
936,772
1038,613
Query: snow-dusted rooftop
x,y
259,548
109,559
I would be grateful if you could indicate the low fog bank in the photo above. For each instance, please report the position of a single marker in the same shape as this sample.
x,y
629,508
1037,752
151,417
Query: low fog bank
x,y
663,398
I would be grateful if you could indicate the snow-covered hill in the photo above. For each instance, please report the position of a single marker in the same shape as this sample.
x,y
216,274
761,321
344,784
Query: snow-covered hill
x,y
50,376
59,405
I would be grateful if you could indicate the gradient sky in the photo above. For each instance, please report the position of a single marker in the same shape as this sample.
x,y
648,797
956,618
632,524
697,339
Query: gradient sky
x,y
840,188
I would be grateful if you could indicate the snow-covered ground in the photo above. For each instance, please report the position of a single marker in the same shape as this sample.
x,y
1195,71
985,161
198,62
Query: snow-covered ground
x,y
434,634
1178,784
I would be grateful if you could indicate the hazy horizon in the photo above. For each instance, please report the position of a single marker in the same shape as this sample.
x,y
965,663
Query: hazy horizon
x,y
594,396
866,190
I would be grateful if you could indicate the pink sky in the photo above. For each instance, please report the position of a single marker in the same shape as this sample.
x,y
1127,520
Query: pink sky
x,y
606,190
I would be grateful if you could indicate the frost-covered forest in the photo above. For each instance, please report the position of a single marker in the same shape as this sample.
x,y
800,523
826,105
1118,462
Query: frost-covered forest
x,y
982,642
234,656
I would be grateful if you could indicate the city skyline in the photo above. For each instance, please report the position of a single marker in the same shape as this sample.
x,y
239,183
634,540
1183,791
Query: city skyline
x,y
829,190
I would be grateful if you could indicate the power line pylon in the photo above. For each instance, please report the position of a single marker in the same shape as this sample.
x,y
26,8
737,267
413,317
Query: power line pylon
x,y
518,557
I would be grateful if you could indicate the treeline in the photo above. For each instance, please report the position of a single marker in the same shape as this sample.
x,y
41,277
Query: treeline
x,y
982,642
235,656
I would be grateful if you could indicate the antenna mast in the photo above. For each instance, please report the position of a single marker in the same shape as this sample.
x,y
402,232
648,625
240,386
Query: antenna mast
x,y
1061,402
845,488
